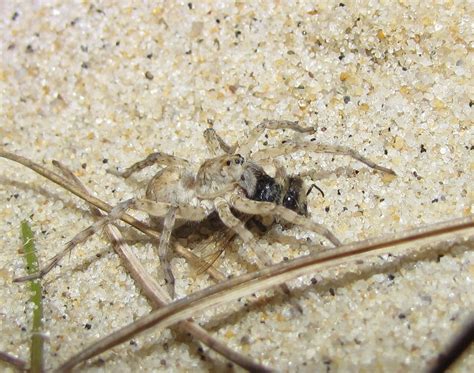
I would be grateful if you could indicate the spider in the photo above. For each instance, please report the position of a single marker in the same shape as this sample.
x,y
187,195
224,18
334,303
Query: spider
x,y
178,193
288,191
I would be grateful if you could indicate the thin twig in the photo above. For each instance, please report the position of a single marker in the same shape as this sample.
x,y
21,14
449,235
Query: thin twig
x,y
154,292
13,360
249,283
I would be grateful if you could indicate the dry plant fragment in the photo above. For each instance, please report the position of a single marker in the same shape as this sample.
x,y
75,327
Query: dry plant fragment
x,y
268,277
12,360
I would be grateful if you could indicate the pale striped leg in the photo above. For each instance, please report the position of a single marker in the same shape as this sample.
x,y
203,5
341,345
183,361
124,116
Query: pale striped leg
x,y
79,238
319,174
163,249
170,213
245,148
238,226
158,209
276,237
158,158
289,148
151,207
215,144
248,206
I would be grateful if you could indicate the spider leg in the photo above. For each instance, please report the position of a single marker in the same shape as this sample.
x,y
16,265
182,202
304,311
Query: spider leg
x,y
152,208
163,249
170,213
152,159
248,206
79,238
289,148
215,144
245,148
158,209
280,172
281,238
238,226
319,174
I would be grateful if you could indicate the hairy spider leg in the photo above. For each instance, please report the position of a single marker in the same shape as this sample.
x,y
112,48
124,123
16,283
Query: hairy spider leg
x,y
236,225
215,144
289,148
268,208
158,158
245,148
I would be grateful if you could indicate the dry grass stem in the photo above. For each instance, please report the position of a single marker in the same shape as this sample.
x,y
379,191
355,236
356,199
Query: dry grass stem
x,y
12,360
263,279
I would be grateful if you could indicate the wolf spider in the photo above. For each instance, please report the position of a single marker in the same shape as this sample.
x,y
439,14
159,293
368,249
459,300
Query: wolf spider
x,y
288,191
178,193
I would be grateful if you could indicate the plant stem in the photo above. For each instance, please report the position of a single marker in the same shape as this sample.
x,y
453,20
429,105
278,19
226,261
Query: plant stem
x,y
32,266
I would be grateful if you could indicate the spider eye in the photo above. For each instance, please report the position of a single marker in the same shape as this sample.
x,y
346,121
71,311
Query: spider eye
x,y
240,159
242,178
228,163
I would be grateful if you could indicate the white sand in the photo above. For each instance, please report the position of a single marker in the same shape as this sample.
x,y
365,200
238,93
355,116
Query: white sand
x,y
105,84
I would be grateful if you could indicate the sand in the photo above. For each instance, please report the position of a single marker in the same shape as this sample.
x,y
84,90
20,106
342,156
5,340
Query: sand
x,y
102,84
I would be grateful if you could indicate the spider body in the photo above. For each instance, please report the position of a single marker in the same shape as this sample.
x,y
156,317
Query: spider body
x,y
176,184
